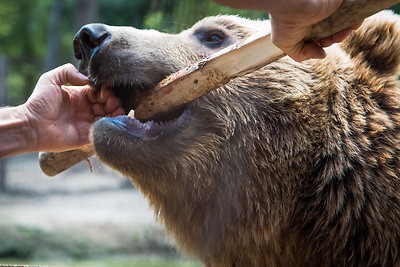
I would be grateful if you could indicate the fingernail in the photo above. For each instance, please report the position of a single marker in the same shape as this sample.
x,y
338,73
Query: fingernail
x,y
323,54
313,52
83,77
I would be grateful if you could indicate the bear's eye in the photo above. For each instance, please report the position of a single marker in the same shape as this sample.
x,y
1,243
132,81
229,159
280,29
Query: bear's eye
x,y
214,38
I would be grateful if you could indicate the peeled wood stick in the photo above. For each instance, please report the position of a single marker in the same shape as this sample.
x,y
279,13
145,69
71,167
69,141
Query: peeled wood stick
x,y
53,163
208,74
178,89
350,12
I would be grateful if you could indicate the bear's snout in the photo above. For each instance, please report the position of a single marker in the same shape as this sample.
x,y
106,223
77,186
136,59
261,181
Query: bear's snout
x,y
88,39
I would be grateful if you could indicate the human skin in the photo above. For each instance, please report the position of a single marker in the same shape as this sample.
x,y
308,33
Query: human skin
x,y
291,22
55,117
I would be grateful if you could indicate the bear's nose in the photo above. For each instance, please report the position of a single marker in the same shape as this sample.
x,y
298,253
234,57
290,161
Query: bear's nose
x,y
88,38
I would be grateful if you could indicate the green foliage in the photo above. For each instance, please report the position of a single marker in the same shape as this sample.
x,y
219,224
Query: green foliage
x,y
23,30
190,11
154,20
31,243
24,26
19,242
124,12
396,8
119,261
174,16
76,247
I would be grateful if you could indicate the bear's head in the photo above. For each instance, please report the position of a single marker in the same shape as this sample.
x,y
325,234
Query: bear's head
x,y
279,167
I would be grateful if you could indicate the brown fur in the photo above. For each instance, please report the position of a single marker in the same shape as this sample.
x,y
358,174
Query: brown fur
x,y
292,165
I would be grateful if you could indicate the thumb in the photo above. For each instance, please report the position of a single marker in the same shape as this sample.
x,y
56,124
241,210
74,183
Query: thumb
x,y
68,74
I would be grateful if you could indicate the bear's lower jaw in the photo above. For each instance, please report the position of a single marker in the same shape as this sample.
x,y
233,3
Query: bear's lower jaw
x,y
148,130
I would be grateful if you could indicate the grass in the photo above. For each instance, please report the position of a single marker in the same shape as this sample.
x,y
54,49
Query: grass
x,y
31,243
31,246
115,261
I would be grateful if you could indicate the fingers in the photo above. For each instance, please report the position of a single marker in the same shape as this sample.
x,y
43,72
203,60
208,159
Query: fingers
x,y
105,105
310,50
298,50
98,110
306,51
291,27
301,50
357,25
112,104
339,37
111,108
97,97
289,38
67,74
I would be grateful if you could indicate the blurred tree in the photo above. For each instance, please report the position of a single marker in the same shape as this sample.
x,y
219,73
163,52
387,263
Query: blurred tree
x,y
124,12
3,102
86,11
175,15
190,11
53,35
396,8
23,32
25,25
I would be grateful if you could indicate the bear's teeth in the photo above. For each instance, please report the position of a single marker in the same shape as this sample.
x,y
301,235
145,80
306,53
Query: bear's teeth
x,y
131,113
103,88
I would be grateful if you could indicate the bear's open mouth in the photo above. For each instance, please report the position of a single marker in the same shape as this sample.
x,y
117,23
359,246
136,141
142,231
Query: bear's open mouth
x,y
131,94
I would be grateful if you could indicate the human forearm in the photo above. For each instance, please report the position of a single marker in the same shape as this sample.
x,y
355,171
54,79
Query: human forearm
x,y
17,134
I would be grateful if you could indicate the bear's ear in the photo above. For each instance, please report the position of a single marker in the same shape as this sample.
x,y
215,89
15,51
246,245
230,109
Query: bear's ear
x,y
377,43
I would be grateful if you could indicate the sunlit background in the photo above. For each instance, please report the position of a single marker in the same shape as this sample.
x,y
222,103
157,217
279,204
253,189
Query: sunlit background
x,y
80,217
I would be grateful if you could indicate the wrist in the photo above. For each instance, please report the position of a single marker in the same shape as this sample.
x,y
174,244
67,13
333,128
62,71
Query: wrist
x,y
31,127
17,131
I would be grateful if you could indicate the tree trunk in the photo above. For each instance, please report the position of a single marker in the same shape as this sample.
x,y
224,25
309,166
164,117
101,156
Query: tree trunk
x,y
3,102
54,36
86,11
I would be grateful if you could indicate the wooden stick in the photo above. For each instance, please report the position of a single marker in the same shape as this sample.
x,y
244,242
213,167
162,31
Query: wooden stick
x,y
208,74
188,87
350,12
53,163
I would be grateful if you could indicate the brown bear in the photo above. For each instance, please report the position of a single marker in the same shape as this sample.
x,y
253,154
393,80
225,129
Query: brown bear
x,y
296,164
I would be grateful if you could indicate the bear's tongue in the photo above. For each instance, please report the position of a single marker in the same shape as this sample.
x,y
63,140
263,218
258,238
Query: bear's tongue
x,y
149,129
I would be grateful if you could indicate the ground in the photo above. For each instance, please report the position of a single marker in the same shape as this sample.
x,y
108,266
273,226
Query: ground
x,y
76,214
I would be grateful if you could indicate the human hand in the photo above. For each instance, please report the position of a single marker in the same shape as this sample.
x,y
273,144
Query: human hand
x,y
291,22
62,115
